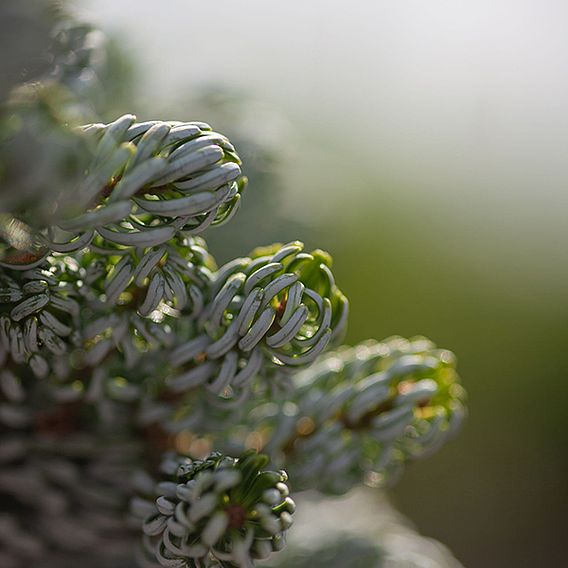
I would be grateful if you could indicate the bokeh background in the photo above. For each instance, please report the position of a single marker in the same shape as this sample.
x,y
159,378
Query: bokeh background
x,y
423,144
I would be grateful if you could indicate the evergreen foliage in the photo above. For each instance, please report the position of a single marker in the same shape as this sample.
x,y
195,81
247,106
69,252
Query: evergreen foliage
x,y
130,359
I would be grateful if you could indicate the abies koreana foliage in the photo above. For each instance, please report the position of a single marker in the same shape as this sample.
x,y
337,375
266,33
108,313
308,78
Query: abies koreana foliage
x,y
151,400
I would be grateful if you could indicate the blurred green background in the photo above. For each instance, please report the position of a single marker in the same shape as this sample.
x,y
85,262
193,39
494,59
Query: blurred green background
x,y
423,145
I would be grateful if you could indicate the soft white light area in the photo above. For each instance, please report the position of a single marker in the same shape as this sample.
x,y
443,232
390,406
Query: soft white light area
x,y
462,104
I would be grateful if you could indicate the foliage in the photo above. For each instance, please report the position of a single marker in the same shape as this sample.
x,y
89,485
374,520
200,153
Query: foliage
x,y
125,346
